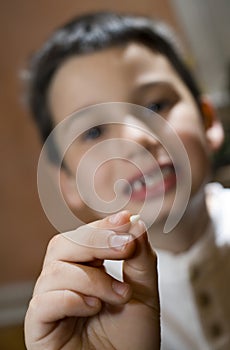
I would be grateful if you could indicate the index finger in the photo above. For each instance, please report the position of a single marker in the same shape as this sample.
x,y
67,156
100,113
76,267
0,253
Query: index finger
x,y
91,242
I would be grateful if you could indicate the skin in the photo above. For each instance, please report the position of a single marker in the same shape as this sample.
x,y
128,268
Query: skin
x,y
81,307
59,315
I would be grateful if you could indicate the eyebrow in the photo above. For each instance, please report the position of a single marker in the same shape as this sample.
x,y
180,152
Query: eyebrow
x,y
139,89
152,85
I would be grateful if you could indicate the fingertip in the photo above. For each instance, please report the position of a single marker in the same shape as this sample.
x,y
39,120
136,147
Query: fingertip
x,y
117,221
119,218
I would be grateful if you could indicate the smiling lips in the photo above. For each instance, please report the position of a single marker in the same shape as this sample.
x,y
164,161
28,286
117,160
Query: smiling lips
x,y
152,184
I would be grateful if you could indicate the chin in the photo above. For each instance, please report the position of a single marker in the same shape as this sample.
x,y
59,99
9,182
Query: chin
x,y
153,210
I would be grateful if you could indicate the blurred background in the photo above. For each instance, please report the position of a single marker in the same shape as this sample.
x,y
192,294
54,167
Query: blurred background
x,y
203,27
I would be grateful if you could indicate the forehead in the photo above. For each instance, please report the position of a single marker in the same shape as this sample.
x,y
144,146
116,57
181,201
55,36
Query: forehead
x,y
110,75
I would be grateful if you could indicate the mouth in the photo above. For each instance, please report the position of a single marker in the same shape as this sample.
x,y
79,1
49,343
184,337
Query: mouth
x,y
153,183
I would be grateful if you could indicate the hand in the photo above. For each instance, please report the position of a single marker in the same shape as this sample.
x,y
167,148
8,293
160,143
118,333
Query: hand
x,y
77,305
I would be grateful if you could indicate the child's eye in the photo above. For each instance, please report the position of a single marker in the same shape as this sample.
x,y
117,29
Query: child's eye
x,y
93,133
159,107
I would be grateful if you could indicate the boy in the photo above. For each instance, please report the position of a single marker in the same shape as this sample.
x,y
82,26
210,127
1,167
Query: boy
x,y
76,304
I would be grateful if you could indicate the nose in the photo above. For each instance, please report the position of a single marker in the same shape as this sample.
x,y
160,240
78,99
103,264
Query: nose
x,y
138,133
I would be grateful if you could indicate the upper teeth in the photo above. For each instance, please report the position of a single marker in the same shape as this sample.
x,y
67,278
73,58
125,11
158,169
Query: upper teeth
x,y
137,185
150,179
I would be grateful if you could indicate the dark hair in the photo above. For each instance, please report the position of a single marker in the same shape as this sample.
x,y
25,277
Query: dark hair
x,y
91,33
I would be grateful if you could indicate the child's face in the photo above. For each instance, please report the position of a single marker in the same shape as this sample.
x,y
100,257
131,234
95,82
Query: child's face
x,y
133,74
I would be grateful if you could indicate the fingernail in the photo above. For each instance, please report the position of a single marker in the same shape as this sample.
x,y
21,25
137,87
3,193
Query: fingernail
x,y
120,288
118,242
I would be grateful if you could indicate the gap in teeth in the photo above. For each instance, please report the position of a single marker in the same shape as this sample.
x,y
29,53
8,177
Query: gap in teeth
x,y
166,170
151,179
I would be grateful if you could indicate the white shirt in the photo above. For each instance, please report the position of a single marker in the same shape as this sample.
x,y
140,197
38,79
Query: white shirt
x,y
194,286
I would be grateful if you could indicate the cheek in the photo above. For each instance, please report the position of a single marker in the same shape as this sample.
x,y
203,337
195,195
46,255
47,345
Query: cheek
x,y
104,178
93,172
109,178
187,123
198,157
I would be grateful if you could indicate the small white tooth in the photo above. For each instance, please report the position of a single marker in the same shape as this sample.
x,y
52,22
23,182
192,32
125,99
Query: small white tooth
x,y
134,218
150,180
153,179
137,185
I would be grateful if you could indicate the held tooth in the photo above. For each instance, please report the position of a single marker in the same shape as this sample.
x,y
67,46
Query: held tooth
x,y
152,180
149,181
166,171
134,218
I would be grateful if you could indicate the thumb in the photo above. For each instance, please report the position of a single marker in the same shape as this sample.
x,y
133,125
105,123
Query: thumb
x,y
140,270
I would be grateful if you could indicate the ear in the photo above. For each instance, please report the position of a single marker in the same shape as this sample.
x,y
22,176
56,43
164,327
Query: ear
x,y
213,127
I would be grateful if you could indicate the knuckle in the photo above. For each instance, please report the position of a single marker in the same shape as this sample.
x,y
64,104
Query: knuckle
x,y
98,237
68,299
53,269
92,238
53,243
34,303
